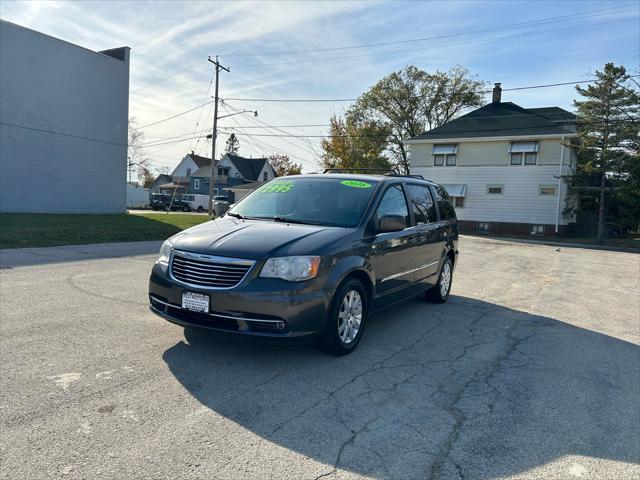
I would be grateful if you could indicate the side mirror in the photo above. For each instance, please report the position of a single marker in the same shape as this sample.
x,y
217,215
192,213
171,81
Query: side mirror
x,y
391,223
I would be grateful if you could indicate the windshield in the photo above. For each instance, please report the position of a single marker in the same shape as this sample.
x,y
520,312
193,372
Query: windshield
x,y
318,201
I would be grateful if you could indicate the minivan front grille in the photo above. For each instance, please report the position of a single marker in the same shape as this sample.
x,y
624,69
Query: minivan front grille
x,y
208,271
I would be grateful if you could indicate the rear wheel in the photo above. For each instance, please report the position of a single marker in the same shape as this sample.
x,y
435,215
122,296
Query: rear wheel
x,y
186,208
200,209
347,317
439,293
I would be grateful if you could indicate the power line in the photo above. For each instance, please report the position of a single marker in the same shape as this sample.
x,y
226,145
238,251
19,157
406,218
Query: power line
x,y
458,131
304,100
62,134
393,52
542,21
157,144
174,116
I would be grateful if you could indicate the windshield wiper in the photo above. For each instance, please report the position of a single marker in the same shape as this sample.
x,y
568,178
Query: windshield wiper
x,y
290,220
237,215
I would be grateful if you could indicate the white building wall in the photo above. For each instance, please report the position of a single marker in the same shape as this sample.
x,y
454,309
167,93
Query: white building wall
x,y
63,125
270,173
226,163
137,196
520,202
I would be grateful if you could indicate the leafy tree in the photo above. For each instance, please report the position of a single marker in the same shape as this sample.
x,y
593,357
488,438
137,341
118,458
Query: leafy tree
x,y
147,177
608,154
283,165
407,101
354,142
232,145
136,156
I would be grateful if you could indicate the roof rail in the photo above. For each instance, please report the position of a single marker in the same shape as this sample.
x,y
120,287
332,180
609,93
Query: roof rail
x,y
387,172
403,175
359,170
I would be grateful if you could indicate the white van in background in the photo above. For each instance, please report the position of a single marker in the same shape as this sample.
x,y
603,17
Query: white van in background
x,y
197,202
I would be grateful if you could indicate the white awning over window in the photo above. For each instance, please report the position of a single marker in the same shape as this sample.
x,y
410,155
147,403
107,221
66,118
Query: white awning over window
x,y
441,149
456,190
523,147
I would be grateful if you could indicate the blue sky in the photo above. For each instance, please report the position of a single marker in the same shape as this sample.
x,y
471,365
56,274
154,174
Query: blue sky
x,y
280,50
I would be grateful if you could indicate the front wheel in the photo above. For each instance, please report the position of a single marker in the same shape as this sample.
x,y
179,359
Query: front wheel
x,y
347,317
439,293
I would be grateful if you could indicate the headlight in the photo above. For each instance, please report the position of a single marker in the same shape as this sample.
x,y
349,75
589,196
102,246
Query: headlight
x,y
293,269
165,252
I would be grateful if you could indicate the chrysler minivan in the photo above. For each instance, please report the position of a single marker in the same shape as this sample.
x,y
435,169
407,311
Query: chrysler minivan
x,y
310,256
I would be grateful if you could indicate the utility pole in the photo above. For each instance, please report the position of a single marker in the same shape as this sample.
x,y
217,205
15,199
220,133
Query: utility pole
x,y
214,134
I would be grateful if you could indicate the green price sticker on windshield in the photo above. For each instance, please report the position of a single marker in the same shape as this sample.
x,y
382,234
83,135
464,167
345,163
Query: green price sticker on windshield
x,y
276,187
355,184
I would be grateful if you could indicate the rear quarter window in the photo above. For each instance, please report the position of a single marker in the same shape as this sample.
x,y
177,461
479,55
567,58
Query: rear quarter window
x,y
445,206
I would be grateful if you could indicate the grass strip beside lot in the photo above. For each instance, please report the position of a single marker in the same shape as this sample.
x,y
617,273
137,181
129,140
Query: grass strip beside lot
x,y
18,230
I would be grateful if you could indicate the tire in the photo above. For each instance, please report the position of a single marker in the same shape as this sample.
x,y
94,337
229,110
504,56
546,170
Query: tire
x,y
155,209
186,209
338,337
200,209
439,293
166,208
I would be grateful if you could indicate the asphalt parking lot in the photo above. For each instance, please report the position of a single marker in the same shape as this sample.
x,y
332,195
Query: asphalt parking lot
x,y
532,370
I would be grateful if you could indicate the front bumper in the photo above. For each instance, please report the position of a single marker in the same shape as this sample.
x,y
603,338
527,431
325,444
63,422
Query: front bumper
x,y
260,307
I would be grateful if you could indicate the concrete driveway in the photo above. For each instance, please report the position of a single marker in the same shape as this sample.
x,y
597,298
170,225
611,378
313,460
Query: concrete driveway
x,y
532,370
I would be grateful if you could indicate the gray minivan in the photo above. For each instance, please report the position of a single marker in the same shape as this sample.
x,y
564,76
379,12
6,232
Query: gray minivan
x,y
310,256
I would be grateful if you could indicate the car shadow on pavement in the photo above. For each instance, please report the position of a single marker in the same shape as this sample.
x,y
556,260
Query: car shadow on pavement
x,y
467,389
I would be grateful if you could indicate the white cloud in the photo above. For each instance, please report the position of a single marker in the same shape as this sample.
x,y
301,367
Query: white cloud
x,y
171,42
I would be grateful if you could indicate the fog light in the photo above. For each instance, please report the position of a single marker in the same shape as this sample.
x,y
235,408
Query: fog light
x,y
280,325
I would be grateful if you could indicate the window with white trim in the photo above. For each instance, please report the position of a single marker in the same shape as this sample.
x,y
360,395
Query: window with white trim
x,y
523,153
495,189
547,190
445,155
196,184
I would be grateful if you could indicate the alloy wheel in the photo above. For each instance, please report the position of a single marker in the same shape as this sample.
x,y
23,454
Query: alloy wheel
x,y
350,316
445,279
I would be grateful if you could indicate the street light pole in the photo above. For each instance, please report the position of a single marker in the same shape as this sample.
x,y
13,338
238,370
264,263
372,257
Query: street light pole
x,y
214,134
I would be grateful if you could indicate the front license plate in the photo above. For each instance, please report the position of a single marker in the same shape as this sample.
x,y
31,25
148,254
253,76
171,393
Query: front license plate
x,y
196,302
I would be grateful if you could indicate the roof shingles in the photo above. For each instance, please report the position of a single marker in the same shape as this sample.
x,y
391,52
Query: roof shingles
x,y
505,119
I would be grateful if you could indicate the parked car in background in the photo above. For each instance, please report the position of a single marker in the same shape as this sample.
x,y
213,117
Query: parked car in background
x,y
196,202
220,205
166,202
310,256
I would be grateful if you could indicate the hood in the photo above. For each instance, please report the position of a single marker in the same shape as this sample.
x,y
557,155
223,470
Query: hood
x,y
255,239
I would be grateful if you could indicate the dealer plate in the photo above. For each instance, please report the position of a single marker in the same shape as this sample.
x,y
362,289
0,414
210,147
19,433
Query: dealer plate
x,y
196,302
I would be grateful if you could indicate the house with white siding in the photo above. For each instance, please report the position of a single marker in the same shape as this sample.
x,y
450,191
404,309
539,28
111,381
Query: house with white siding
x,y
503,165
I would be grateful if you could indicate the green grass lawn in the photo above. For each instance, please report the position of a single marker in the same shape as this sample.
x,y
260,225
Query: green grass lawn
x,y
42,230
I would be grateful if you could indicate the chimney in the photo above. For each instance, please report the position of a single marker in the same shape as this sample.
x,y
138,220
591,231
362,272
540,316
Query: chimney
x,y
497,93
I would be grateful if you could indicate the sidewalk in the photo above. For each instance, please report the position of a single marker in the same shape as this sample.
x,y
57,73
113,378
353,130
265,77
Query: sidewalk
x,y
558,243
20,257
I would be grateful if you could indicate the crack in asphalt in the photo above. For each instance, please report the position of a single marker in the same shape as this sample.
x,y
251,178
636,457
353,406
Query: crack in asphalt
x,y
482,375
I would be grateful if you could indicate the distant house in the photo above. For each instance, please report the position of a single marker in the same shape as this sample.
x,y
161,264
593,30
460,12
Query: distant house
x,y
503,165
189,164
242,190
161,179
231,170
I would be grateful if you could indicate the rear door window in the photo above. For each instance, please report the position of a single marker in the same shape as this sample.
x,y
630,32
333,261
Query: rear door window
x,y
424,209
447,212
